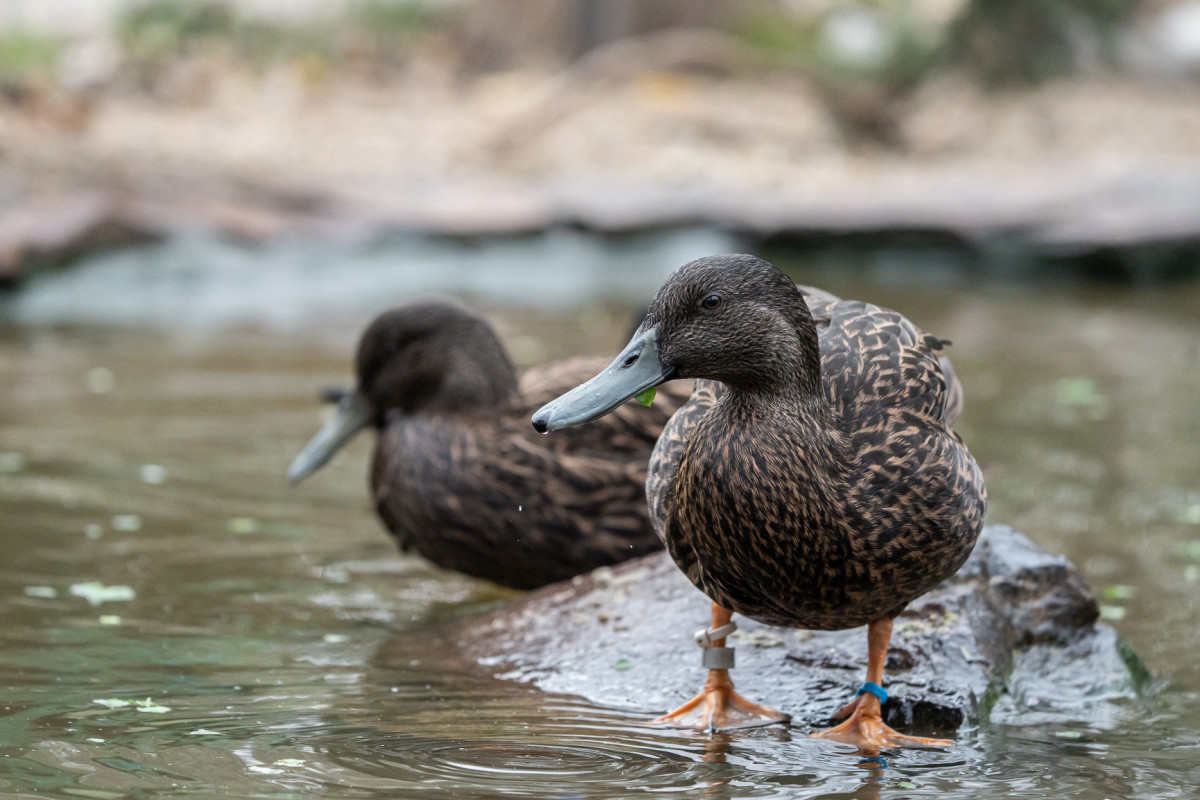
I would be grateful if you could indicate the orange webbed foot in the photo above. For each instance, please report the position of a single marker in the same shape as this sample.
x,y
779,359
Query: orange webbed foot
x,y
719,708
866,730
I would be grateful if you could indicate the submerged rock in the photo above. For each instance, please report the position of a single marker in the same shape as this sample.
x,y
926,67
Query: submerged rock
x,y
1013,638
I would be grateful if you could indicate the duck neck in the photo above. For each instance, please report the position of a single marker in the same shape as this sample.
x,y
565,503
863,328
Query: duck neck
x,y
785,371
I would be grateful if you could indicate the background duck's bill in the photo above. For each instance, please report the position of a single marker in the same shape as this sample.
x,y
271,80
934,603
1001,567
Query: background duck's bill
x,y
352,416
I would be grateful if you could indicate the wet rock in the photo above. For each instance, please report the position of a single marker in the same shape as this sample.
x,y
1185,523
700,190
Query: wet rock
x,y
1013,637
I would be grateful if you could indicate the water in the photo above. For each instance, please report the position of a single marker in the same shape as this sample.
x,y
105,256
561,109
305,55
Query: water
x,y
271,642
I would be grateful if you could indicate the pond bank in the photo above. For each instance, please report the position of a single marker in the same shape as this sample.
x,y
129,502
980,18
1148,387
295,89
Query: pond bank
x,y
1089,168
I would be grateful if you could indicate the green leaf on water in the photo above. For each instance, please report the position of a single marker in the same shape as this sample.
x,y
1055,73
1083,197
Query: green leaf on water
x,y
623,664
907,785
1119,591
646,397
242,525
1068,734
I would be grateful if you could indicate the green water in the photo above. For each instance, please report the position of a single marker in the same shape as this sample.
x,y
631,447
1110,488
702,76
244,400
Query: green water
x,y
271,643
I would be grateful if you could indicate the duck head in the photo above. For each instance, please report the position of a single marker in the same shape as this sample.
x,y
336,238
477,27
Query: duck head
x,y
421,358
735,319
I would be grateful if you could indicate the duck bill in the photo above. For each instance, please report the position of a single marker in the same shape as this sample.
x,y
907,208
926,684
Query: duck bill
x,y
638,368
352,416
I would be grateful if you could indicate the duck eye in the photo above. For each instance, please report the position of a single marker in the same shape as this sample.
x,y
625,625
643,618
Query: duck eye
x,y
711,303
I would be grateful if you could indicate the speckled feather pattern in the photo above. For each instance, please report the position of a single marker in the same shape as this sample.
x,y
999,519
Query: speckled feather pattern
x,y
830,512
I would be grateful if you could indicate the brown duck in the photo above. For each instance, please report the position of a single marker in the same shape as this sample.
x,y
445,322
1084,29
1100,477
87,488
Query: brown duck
x,y
811,481
458,475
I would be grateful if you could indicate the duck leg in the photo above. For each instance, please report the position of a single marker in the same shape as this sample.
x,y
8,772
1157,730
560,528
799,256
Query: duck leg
x,y
718,707
865,728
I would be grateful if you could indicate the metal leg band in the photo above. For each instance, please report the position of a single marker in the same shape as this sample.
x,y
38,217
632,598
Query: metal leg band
x,y
717,658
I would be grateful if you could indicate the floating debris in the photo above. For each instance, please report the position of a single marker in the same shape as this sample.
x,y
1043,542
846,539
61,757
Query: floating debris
x,y
147,706
1068,734
290,762
204,732
1114,613
127,523
1190,514
623,664
241,525
44,592
153,474
110,619
336,638
101,380
93,530
111,702
96,593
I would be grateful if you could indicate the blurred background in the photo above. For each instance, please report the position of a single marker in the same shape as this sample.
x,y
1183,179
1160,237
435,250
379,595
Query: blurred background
x,y
202,203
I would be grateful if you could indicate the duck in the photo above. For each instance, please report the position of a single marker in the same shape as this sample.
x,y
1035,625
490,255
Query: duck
x,y
458,476
812,480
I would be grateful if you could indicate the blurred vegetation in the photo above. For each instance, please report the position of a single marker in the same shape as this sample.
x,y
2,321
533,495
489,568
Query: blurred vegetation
x,y
864,55
26,57
380,32
1006,42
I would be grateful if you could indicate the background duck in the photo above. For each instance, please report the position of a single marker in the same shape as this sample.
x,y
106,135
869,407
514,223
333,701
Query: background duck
x,y
812,480
458,475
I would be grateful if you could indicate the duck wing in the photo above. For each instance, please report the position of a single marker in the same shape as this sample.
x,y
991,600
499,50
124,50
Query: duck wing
x,y
874,357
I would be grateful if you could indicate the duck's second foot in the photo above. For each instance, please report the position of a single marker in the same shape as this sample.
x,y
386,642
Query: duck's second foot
x,y
719,708
866,730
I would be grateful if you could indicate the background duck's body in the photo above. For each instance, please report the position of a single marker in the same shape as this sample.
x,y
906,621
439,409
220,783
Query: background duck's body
x,y
460,478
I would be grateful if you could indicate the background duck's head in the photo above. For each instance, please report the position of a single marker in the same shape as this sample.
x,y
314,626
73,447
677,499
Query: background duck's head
x,y
733,318
425,357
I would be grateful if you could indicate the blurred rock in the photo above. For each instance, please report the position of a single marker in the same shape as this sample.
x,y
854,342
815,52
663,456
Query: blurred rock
x,y
1013,637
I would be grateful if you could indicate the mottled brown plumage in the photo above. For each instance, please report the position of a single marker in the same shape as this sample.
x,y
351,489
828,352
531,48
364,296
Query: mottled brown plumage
x,y
820,486
812,480
460,478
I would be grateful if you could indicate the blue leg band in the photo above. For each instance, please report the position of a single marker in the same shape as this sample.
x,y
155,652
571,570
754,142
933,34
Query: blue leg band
x,y
875,689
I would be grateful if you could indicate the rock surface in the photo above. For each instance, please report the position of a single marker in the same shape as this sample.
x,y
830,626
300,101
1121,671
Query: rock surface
x,y
1012,638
